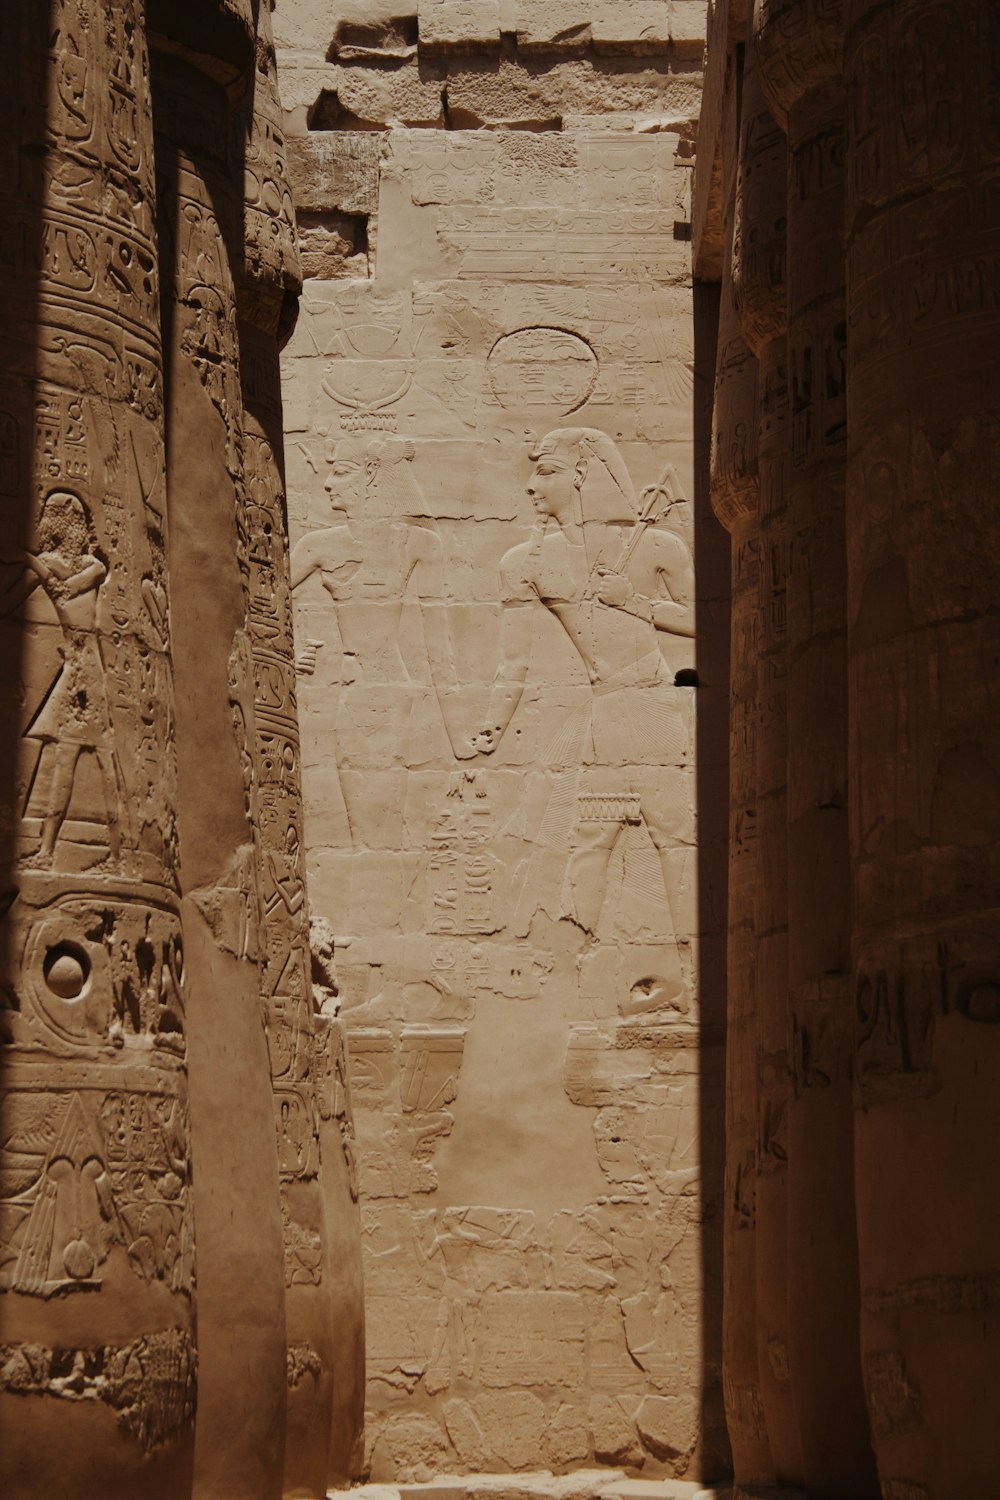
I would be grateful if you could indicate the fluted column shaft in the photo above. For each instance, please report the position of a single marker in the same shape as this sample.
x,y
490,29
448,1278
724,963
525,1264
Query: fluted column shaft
x,y
923,536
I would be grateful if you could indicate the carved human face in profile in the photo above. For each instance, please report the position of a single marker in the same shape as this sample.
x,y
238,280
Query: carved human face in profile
x,y
345,478
555,480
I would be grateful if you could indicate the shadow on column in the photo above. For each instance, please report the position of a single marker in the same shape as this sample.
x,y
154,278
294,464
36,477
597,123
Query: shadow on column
x,y
24,35
711,554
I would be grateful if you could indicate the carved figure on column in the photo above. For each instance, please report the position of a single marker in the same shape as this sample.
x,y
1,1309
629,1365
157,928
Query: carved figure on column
x,y
97,1378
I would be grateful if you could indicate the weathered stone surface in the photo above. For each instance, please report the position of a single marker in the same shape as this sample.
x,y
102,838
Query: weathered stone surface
x,y
884,612
583,1484
500,784
922,544
495,536
160,1057
98,1363
459,25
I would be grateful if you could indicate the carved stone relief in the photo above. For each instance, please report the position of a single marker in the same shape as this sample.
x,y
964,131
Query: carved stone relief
x,y
95,1209
489,492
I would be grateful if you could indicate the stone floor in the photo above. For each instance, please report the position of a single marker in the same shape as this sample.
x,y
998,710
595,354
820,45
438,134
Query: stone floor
x,y
586,1484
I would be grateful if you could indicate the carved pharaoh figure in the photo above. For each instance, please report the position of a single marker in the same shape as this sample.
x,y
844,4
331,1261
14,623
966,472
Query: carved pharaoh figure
x,y
74,715
613,579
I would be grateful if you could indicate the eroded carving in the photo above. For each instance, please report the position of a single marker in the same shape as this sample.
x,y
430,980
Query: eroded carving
x,y
149,1383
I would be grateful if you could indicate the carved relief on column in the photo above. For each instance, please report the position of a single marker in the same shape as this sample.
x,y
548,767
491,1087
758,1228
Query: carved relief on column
x,y
923,537
759,295
758,266
734,490
320,1217
241,1275
97,1367
799,46
823,1290
267,675
773,1078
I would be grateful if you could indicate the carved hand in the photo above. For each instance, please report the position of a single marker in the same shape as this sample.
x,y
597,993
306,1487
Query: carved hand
x,y
613,589
305,661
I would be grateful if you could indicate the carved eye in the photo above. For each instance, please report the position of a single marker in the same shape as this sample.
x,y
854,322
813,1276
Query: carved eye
x,y
981,1002
66,970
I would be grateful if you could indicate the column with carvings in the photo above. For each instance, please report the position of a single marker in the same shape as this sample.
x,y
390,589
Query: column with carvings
x,y
241,1266
734,493
97,1360
759,298
318,1212
923,536
800,46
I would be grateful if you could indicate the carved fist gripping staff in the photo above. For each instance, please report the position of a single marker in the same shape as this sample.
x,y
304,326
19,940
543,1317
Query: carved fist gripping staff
x,y
612,586
650,511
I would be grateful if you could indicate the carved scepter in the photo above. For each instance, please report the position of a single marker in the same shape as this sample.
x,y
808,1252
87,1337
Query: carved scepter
x,y
666,488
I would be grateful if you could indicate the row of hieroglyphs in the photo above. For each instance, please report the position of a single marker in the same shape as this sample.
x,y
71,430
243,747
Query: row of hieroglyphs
x,y
489,489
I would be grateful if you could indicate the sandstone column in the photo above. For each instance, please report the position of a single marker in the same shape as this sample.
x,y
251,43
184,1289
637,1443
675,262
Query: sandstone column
x,y
267,293
759,297
97,1367
734,491
242,1375
922,526
799,47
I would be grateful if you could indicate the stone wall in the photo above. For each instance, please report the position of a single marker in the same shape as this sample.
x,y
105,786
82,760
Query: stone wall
x,y
489,416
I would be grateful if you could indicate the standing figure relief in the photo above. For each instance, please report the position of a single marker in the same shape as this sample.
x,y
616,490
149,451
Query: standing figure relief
x,y
375,556
611,579
601,563
74,716
614,579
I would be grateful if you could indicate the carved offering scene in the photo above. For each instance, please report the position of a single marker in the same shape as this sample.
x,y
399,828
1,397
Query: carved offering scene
x,y
499,750
490,430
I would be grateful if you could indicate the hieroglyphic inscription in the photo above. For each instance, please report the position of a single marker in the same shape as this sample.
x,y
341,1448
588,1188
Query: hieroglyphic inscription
x,y
94,1129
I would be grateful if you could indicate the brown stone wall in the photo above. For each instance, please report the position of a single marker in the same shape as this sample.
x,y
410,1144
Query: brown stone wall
x,y
489,420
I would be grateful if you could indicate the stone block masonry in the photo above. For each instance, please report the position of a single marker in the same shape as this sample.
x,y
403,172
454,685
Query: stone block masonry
x,y
489,421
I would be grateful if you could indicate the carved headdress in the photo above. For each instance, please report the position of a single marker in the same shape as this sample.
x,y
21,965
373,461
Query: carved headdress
x,y
603,484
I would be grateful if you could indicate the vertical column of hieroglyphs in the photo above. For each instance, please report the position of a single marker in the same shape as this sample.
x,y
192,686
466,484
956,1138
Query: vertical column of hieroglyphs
x,y
758,274
735,500
242,1320
97,1364
799,47
299,1043
488,426
922,523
